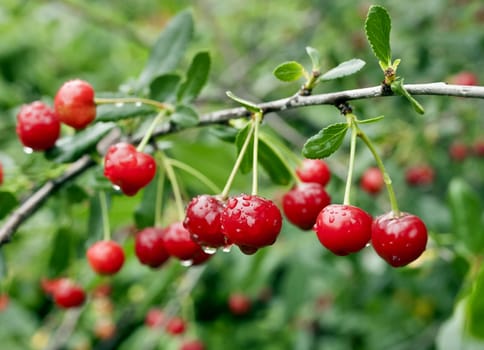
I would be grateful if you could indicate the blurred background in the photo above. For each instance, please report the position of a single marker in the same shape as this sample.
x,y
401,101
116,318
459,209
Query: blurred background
x,y
301,296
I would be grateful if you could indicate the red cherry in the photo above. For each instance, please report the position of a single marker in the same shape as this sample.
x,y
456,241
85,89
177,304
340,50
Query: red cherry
x,y
202,220
419,175
176,326
399,240
200,257
192,345
154,318
239,304
251,221
4,301
102,291
458,151
127,168
74,104
150,248
1,173
372,181
179,244
38,126
464,78
303,202
105,257
49,286
68,294
343,229
478,148
314,170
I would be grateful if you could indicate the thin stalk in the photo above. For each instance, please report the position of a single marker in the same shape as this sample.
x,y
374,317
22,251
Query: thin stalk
x,y
238,161
349,179
104,214
174,185
255,156
196,174
386,176
150,130
146,101
159,197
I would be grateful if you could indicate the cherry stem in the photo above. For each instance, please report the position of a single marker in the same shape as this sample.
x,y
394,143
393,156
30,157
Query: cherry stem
x,y
350,118
255,183
195,173
174,185
104,214
238,161
386,176
150,131
146,101
159,197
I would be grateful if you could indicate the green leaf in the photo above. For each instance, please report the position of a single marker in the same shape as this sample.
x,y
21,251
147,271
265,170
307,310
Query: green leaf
x,y
289,71
60,252
224,133
315,57
115,112
371,120
71,148
272,160
144,214
95,222
377,27
163,88
325,142
196,78
169,48
475,307
185,116
246,164
398,88
466,210
8,202
252,107
343,69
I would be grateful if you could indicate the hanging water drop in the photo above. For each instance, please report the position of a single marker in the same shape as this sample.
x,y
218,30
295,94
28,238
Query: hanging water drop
x,y
209,250
186,263
28,150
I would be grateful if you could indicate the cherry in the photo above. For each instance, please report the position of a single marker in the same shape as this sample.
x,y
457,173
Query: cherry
x,y
68,294
343,229
149,247
458,151
4,301
314,170
192,345
105,257
398,240
49,286
372,181
251,221
179,244
202,220
176,325
419,175
200,257
464,78
478,147
1,173
154,318
127,168
74,104
303,202
239,304
38,126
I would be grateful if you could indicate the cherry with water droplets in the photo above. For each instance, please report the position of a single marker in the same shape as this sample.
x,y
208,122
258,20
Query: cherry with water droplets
x,y
74,103
314,170
149,247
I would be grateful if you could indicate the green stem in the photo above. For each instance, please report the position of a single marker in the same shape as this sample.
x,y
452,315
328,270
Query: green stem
x,y
146,101
195,173
255,163
238,161
150,130
104,214
351,121
174,185
386,176
159,197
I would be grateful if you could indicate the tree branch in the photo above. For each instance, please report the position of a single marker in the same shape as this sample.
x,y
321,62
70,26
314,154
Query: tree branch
x,y
33,202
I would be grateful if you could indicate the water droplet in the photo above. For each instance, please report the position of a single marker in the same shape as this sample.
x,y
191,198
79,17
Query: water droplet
x,y
367,244
138,104
331,219
186,263
209,250
227,248
116,188
119,104
28,150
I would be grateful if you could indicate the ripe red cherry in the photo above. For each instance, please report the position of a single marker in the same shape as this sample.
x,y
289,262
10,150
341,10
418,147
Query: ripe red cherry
x,y
202,220
68,294
179,244
74,104
105,257
4,301
192,345
399,240
251,221
478,147
38,126
1,173
464,78
372,181
127,168
343,229
154,318
419,175
314,170
176,325
458,151
239,304
303,202
149,247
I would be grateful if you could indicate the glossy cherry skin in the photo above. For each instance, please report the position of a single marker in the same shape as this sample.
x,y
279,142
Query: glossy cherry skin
x,y
202,220
419,175
251,221
372,181
149,247
343,229
127,168
105,257
192,345
68,294
239,304
38,126
176,325
179,244
1,173
399,240
314,170
302,204
74,104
